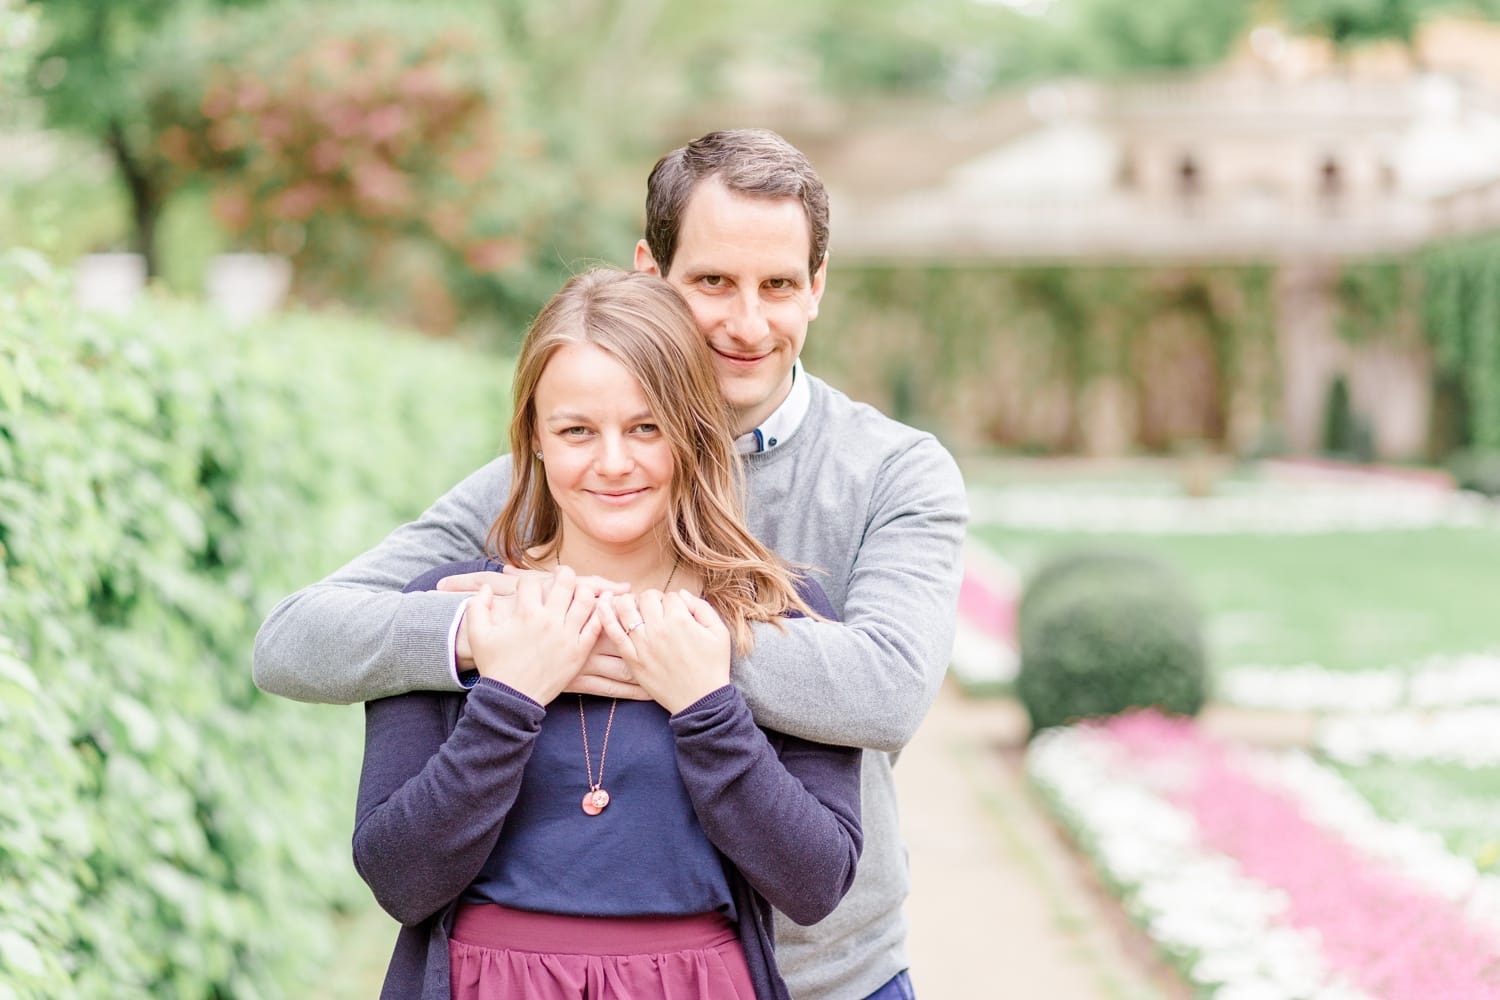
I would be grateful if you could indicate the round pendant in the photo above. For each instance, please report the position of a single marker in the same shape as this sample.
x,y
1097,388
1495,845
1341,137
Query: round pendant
x,y
594,801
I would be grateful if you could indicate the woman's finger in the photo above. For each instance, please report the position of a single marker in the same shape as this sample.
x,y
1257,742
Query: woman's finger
x,y
581,612
529,593
703,613
562,592
609,620
650,606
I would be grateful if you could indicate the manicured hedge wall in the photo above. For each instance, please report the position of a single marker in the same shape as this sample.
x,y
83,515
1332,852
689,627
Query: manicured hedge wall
x,y
166,830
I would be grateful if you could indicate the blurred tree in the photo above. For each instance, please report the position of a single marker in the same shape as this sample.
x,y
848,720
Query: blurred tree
x,y
17,43
86,76
1115,36
1347,23
382,148
951,48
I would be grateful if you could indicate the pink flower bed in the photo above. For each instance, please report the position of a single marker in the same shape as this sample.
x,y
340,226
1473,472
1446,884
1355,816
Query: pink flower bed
x,y
1393,938
988,605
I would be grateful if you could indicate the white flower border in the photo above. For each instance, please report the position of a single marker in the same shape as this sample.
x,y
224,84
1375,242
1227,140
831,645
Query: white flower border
x,y
1435,682
1469,737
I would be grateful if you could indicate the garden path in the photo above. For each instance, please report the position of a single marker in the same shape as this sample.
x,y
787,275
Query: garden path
x,y
999,905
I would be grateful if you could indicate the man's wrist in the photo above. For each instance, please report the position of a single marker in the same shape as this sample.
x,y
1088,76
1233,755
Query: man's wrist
x,y
463,674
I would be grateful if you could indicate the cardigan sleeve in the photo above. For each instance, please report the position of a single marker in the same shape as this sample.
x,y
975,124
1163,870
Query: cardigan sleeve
x,y
787,815
432,803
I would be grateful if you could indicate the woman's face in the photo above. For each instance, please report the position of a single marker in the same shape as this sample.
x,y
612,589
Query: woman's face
x,y
607,462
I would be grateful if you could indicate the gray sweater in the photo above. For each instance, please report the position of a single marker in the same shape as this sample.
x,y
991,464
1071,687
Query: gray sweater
x,y
876,507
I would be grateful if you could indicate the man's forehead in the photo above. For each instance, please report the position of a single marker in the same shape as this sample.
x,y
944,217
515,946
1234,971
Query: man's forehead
x,y
728,230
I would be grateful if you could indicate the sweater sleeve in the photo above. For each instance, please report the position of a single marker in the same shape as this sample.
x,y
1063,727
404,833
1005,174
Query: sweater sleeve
x,y
353,636
869,681
432,804
789,822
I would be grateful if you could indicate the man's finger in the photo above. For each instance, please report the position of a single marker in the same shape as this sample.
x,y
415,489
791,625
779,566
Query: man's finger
x,y
471,582
600,586
597,585
608,667
605,688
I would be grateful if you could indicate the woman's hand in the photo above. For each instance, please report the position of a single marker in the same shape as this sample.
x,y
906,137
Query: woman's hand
x,y
536,640
680,650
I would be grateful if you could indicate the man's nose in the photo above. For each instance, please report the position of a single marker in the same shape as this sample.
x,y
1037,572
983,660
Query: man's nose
x,y
748,323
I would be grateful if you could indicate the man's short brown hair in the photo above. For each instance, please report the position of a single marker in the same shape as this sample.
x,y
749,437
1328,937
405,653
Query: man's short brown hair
x,y
752,161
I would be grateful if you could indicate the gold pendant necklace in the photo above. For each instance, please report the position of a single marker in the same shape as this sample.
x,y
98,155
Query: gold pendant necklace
x,y
596,798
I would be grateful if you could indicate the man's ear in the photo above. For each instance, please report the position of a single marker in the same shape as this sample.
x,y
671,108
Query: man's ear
x,y
643,259
819,281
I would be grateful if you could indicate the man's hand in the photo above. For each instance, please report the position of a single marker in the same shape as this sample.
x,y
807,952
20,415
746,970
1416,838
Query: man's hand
x,y
504,584
606,675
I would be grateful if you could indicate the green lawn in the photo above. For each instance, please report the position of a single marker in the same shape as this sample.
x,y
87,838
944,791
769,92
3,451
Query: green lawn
x,y
1346,601
1460,804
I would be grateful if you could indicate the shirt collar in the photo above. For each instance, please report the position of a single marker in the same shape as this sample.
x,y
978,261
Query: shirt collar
x,y
783,421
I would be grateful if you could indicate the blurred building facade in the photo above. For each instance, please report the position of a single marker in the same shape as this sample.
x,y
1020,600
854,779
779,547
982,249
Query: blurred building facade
x,y
1286,157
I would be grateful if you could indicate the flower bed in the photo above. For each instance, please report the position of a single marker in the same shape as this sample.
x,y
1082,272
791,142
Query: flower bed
x,y
1265,875
1466,736
1435,682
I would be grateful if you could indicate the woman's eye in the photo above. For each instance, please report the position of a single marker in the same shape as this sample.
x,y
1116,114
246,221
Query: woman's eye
x,y
646,428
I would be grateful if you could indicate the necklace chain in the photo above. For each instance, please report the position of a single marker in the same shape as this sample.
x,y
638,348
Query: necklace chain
x,y
597,798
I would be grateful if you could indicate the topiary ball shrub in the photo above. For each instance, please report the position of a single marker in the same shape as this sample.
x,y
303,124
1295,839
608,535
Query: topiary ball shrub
x,y
1476,469
1105,631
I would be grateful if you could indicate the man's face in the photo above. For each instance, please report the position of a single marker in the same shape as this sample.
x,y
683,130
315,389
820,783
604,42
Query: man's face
x,y
741,263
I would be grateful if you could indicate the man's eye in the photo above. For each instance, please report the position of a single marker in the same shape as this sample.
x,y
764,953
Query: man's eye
x,y
780,284
713,280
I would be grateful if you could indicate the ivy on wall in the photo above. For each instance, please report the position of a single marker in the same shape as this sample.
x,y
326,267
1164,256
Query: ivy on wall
x,y
1461,317
1008,355
1451,291
166,829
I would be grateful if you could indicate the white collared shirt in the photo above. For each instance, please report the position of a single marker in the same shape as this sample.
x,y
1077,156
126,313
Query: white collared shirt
x,y
783,421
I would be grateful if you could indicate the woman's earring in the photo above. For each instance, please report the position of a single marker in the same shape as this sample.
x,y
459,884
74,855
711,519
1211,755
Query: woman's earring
x,y
538,456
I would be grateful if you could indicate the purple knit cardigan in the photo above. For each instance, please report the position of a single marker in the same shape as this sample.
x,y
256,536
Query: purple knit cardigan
x,y
441,771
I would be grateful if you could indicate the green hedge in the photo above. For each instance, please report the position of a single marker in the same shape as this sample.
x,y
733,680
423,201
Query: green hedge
x,y
165,829
1103,631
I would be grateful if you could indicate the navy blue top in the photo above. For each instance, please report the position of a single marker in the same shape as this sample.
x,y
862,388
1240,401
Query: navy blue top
x,y
447,776
549,846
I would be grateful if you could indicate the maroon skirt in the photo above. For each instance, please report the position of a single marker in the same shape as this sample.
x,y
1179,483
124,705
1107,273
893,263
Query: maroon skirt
x,y
498,953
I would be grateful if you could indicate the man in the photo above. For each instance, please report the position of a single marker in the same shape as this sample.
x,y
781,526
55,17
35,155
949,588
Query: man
x,y
738,223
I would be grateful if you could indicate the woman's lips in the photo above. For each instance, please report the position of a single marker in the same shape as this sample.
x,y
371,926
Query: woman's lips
x,y
619,497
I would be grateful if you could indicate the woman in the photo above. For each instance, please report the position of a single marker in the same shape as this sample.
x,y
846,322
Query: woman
x,y
547,845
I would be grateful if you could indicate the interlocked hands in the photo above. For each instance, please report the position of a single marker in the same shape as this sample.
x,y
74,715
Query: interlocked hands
x,y
546,633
